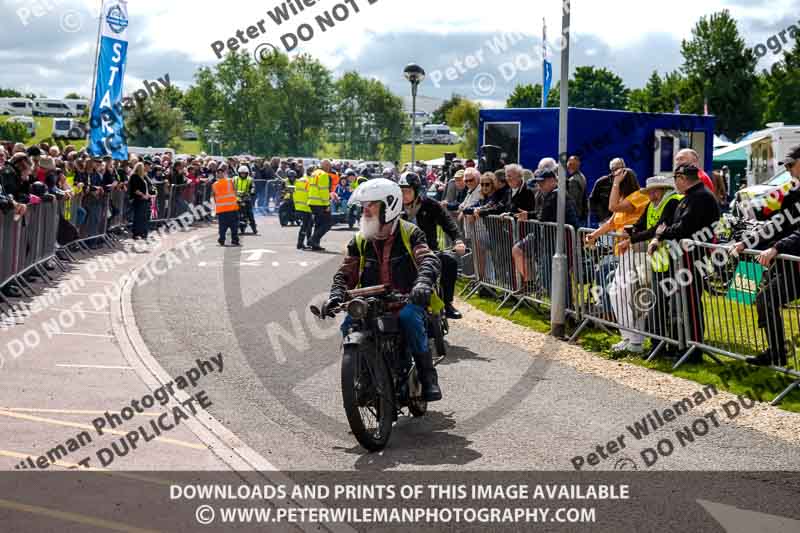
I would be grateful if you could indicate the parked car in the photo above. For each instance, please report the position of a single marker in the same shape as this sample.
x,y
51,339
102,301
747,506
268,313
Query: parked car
x,y
190,135
28,122
760,202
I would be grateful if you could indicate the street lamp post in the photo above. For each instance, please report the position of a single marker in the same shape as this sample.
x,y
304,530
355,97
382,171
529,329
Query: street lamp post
x,y
414,74
559,289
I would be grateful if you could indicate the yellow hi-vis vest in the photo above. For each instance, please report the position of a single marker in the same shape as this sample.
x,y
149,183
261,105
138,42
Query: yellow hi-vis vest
x,y
224,196
244,186
319,189
660,259
406,228
300,195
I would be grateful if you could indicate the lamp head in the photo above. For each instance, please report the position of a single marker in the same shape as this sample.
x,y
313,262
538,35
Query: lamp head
x,y
414,73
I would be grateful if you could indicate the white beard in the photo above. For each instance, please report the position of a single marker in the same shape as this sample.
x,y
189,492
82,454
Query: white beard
x,y
369,227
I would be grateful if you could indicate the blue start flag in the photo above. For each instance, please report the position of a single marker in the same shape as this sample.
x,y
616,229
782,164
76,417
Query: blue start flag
x,y
107,132
548,79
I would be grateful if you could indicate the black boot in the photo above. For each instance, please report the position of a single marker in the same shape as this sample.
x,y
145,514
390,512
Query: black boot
x,y
451,312
428,377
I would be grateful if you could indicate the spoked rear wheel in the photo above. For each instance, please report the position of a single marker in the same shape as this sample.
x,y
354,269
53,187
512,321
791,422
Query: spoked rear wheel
x,y
368,397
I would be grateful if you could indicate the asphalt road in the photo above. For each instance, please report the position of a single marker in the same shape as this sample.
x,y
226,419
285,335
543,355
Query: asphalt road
x,y
503,408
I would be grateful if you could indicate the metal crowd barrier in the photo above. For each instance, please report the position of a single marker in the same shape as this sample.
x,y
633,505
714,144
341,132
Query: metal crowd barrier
x,y
27,242
693,296
737,308
120,210
535,247
630,291
492,239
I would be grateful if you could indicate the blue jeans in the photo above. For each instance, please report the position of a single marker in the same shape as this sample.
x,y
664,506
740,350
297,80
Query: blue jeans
x,y
413,322
261,196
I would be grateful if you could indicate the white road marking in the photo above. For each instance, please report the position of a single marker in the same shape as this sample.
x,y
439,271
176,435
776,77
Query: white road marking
x,y
255,255
86,335
83,311
104,367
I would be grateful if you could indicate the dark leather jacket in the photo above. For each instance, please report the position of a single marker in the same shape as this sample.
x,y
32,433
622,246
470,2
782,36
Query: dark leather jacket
x,y
430,215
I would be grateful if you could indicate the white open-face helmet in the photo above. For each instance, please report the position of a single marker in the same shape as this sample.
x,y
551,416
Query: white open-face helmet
x,y
244,169
381,190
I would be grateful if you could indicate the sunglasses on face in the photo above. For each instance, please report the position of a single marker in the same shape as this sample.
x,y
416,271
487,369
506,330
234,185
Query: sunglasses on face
x,y
487,184
471,180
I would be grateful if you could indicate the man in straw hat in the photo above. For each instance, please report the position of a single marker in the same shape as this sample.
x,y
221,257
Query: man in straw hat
x,y
664,199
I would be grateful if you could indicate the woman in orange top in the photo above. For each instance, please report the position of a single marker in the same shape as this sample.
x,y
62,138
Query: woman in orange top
x,y
627,203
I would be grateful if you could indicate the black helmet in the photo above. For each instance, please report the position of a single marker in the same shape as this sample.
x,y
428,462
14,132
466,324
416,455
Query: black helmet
x,y
411,180
291,174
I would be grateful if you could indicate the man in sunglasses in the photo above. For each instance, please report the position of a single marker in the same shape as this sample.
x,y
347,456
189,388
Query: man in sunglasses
x,y
694,219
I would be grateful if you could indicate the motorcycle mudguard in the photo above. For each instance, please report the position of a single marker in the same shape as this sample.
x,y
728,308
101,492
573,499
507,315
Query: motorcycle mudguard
x,y
356,338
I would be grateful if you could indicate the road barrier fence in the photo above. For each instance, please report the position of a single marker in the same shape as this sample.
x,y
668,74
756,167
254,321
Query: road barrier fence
x,y
687,297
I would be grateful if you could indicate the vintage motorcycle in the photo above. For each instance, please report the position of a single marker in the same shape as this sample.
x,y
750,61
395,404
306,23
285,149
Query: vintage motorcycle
x,y
379,377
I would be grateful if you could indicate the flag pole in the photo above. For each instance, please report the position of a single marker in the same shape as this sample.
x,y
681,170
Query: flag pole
x,y
96,57
544,60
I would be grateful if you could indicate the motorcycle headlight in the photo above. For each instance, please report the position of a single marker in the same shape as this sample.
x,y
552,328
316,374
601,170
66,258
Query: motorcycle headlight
x,y
357,308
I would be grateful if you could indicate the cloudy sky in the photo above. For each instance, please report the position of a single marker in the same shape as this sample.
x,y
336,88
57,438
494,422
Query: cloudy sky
x,y
47,46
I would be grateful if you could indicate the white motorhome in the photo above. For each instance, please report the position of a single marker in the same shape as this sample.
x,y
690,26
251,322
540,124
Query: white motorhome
x,y
28,122
437,134
67,128
16,106
45,107
78,106
768,150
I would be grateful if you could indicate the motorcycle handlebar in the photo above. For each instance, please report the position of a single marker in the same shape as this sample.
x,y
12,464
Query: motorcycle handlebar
x,y
364,292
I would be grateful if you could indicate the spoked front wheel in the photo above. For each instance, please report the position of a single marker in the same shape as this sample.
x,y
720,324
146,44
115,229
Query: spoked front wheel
x,y
368,397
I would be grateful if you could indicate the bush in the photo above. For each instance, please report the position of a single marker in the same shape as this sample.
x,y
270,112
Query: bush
x,y
13,132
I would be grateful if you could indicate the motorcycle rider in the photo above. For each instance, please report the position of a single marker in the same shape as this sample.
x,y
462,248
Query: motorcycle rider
x,y
302,209
429,215
245,192
389,250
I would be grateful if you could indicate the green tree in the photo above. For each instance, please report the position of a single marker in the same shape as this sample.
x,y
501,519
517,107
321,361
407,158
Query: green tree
x,y
639,101
781,89
202,102
525,96
597,88
528,95
75,96
14,132
649,99
370,121
154,123
465,115
720,67
440,115
9,93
